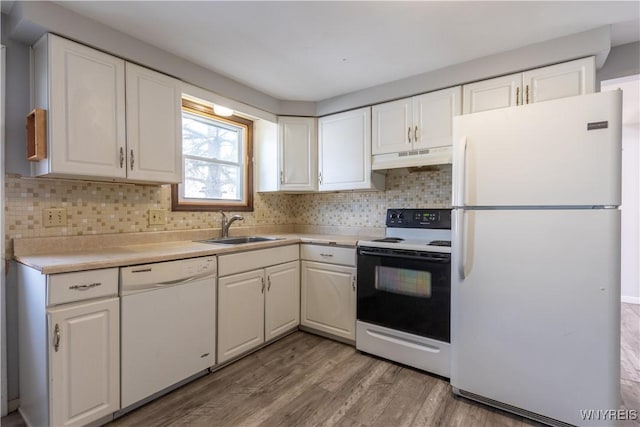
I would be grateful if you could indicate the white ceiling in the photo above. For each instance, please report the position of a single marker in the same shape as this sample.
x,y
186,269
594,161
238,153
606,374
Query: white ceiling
x,y
311,50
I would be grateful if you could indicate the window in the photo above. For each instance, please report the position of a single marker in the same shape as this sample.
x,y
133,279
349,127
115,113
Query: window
x,y
216,161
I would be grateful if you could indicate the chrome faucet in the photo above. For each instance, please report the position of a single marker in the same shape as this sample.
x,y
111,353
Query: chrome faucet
x,y
227,223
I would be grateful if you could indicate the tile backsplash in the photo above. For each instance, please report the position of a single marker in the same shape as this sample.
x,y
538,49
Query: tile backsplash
x,y
107,208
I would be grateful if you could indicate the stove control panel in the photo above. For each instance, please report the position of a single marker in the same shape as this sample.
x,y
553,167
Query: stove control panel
x,y
419,218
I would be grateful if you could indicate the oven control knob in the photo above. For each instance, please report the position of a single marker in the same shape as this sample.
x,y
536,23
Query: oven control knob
x,y
394,215
401,215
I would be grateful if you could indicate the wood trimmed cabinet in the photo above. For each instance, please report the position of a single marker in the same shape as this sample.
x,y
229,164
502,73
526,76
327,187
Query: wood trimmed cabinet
x,y
541,84
328,290
107,119
69,340
258,298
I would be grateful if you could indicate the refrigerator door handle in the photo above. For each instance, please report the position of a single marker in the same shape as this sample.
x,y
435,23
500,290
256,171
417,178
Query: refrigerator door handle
x,y
459,180
465,241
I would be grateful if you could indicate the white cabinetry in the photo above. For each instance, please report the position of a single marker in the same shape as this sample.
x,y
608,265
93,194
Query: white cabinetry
x,y
542,84
260,303
344,152
286,154
328,287
154,126
421,122
92,132
297,150
69,346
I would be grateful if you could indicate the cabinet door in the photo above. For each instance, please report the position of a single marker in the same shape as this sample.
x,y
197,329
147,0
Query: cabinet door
x,y
282,299
86,110
344,145
500,92
84,362
297,145
559,81
154,126
240,313
392,127
433,117
329,298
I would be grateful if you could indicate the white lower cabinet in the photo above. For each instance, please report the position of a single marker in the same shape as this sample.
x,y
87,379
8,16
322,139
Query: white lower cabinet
x,y
328,302
69,341
258,305
85,363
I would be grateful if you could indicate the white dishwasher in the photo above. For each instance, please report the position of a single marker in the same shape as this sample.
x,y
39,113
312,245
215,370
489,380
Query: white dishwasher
x,y
167,324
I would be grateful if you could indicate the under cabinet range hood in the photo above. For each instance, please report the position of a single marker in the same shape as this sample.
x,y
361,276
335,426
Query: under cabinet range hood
x,y
415,158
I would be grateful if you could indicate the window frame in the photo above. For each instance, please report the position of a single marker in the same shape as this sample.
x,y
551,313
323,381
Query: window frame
x,y
246,204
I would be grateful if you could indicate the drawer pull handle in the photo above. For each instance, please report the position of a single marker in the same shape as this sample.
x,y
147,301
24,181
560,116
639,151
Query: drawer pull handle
x,y
262,290
132,159
121,157
85,287
327,255
56,338
268,283
143,270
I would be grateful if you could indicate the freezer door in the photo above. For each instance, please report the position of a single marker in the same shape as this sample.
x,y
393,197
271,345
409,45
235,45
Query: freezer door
x,y
565,152
536,309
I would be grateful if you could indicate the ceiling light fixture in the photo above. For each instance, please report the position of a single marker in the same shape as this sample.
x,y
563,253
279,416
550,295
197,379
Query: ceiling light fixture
x,y
219,110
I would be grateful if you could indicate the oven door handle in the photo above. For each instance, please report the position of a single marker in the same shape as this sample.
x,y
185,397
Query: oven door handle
x,y
392,255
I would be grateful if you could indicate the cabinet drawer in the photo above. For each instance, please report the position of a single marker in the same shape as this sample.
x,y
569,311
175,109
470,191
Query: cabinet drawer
x,y
330,254
69,287
252,260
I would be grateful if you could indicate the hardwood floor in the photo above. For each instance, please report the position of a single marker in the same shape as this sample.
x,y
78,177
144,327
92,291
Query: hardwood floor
x,y
305,380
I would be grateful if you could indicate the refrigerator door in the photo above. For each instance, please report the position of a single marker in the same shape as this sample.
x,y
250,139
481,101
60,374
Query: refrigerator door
x,y
536,310
565,152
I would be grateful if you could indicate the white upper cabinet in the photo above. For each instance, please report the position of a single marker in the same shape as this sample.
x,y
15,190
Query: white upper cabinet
x,y
392,126
154,126
542,84
83,91
92,132
297,148
421,122
344,147
559,81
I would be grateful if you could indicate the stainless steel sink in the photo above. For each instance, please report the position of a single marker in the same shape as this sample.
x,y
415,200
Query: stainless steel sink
x,y
239,240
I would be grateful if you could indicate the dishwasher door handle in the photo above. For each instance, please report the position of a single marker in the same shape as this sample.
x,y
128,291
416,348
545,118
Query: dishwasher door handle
x,y
129,289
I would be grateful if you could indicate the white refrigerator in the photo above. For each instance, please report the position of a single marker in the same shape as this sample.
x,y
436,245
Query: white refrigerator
x,y
535,322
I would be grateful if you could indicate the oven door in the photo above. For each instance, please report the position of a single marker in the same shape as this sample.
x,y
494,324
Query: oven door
x,y
405,290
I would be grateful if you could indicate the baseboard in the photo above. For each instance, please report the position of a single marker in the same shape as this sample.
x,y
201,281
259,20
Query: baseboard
x,y
13,405
630,300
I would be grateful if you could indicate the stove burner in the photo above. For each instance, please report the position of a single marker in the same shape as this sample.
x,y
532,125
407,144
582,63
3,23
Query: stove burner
x,y
390,240
440,243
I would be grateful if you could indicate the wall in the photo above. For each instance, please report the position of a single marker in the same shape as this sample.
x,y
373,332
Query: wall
x,y
105,208
623,60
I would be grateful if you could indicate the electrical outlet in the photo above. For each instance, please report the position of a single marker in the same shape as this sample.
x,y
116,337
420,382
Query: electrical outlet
x,y
56,217
157,217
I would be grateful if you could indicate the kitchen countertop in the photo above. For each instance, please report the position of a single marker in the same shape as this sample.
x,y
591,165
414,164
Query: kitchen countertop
x,y
118,256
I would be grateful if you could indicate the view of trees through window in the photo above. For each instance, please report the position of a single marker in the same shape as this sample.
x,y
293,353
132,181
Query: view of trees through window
x,y
213,153
216,167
